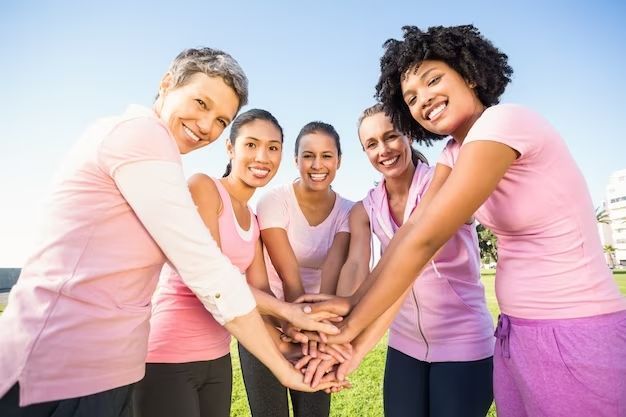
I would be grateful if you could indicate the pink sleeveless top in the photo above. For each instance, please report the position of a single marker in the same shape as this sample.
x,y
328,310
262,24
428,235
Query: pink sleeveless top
x,y
182,330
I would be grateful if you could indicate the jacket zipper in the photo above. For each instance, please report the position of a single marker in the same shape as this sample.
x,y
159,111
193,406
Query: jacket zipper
x,y
419,323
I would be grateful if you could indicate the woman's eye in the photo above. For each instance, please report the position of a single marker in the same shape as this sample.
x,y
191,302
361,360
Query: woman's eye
x,y
434,80
201,103
250,145
411,100
222,122
274,148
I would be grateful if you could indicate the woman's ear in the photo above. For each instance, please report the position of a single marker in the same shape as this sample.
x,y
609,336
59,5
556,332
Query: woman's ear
x,y
229,149
167,82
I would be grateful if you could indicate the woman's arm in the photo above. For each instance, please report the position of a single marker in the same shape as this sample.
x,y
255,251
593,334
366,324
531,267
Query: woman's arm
x,y
356,267
481,165
269,305
284,260
335,258
158,194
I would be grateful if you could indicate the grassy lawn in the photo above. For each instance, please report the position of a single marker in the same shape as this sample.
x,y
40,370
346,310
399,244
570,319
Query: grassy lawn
x,y
365,398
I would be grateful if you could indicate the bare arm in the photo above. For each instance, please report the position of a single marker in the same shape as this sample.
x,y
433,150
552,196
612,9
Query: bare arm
x,y
356,267
480,167
335,258
269,305
284,260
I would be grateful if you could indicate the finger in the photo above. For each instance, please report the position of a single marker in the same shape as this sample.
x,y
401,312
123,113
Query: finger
x,y
321,370
313,298
335,354
310,370
311,335
320,315
305,348
313,348
320,326
342,350
302,362
296,335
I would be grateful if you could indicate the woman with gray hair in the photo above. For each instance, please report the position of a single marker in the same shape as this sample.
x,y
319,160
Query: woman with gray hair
x,y
75,330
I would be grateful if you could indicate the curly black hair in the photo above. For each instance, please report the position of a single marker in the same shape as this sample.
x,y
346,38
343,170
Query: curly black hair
x,y
463,48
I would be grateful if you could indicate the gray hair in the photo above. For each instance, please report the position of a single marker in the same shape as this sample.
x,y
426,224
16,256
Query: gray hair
x,y
370,111
214,63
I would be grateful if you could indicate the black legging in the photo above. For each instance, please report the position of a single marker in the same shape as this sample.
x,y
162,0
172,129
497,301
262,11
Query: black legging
x,y
115,402
192,389
439,389
268,398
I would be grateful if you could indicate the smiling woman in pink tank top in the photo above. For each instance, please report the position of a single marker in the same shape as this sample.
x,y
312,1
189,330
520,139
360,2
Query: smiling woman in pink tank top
x,y
188,370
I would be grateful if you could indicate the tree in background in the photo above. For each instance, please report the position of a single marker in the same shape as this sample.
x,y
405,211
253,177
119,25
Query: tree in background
x,y
602,216
488,245
610,255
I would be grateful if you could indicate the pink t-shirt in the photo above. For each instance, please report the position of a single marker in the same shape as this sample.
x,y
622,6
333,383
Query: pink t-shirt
x,y
181,329
77,318
279,208
550,260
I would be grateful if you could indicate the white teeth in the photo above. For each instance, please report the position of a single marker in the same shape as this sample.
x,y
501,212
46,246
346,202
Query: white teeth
x,y
318,177
260,172
435,112
191,134
390,161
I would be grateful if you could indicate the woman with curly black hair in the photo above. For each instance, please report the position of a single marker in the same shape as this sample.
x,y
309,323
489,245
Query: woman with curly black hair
x,y
562,332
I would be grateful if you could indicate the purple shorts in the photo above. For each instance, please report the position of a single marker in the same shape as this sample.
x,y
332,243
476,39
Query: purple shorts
x,y
561,368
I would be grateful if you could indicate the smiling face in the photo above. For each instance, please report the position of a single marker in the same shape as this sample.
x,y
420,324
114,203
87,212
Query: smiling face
x,y
256,153
388,151
317,160
196,112
440,100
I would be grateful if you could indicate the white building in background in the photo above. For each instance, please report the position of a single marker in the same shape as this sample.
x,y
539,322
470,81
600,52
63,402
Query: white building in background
x,y
616,208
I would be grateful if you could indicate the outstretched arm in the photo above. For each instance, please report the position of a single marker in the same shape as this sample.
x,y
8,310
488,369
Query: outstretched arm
x,y
284,260
356,267
480,167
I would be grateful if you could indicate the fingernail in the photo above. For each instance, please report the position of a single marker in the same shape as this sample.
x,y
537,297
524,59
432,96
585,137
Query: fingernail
x,y
306,308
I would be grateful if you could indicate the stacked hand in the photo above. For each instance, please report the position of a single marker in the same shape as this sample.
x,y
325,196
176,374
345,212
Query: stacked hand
x,y
316,354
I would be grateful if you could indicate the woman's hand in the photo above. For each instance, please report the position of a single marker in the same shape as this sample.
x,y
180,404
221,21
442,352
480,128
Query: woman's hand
x,y
302,317
331,304
293,379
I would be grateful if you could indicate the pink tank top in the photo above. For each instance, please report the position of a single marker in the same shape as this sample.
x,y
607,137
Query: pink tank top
x,y
182,330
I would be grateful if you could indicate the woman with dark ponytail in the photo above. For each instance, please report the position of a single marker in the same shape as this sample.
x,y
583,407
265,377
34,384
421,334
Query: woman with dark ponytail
x,y
188,370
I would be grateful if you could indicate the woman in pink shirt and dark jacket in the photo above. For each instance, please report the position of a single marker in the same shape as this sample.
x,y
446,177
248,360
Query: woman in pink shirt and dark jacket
x,y
75,331
561,337
439,359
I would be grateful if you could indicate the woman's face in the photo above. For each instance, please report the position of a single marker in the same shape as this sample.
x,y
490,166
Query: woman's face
x,y
388,150
440,100
256,154
197,112
317,160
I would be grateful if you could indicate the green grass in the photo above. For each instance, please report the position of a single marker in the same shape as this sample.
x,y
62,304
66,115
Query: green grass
x,y
365,398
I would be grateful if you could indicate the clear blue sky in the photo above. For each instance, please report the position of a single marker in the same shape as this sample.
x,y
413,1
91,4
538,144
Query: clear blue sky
x,y
66,63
